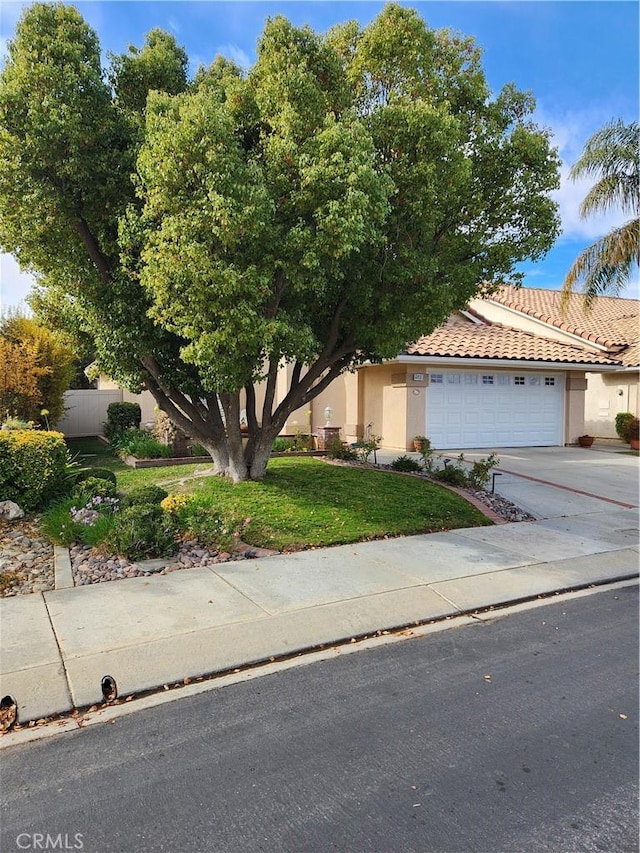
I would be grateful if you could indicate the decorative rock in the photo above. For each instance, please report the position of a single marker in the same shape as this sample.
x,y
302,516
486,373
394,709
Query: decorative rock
x,y
10,511
22,541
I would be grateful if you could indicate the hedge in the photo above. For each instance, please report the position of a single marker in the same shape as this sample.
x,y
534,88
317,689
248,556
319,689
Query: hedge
x,y
121,417
32,466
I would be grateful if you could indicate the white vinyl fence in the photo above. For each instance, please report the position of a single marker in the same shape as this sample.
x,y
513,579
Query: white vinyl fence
x,y
86,411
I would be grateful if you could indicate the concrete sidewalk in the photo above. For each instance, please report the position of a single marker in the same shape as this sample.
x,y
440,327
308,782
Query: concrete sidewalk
x,y
150,631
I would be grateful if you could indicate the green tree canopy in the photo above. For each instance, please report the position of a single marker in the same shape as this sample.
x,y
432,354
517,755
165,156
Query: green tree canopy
x,y
335,202
612,156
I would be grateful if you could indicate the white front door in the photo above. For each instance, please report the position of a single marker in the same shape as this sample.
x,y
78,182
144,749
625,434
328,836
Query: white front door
x,y
484,408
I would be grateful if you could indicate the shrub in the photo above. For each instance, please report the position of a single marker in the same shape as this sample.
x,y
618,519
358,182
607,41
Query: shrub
x,y
32,466
93,487
38,370
634,430
65,522
99,473
281,444
121,417
364,449
302,441
142,531
175,505
99,531
425,450
337,449
624,421
208,525
452,475
16,423
144,495
478,476
58,524
406,464
141,444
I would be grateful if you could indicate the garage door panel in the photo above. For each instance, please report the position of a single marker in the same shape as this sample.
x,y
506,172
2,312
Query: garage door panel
x,y
481,409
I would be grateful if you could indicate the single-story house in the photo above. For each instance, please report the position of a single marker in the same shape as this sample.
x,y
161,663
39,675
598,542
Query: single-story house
x,y
515,369
611,326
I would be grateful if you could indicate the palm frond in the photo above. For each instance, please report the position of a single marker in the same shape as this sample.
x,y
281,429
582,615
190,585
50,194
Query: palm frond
x,y
606,265
614,191
612,150
612,155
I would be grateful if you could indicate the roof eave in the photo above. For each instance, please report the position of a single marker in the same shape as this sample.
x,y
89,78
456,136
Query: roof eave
x,y
531,364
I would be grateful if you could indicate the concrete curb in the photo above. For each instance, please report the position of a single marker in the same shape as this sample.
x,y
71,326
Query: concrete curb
x,y
78,684
62,568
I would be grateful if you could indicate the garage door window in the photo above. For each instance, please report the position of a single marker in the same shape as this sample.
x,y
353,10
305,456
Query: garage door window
x,y
534,380
453,379
487,380
549,380
502,379
518,380
435,378
470,379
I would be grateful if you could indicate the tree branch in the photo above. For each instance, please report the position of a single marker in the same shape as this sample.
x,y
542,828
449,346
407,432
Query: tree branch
x,y
95,253
280,286
252,421
269,393
300,394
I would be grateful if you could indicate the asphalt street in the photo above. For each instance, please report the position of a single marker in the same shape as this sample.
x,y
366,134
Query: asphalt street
x,y
518,733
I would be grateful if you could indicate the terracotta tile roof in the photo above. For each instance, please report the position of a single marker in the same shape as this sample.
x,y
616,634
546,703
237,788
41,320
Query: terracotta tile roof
x,y
611,322
469,340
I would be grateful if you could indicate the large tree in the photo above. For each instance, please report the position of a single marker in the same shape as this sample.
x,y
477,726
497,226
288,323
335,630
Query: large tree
x,y
336,201
612,157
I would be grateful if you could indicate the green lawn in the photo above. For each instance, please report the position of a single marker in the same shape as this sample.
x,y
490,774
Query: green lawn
x,y
306,502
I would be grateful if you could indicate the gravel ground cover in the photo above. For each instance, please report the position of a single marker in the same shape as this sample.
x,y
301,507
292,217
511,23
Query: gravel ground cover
x,y
26,557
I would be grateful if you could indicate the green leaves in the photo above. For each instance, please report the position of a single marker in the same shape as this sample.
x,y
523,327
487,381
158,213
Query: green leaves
x,y
335,202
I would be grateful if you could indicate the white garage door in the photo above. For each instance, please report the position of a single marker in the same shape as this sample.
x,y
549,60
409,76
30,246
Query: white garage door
x,y
478,408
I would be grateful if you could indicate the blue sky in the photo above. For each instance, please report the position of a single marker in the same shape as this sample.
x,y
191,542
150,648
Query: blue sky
x,y
580,60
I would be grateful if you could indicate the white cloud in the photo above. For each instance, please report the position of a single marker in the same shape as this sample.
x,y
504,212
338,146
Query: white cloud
x,y
569,134
237,54
14,284
569,198
231,51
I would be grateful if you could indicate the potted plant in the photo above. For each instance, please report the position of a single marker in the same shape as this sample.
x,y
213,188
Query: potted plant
x,y
585,440
419,442
634,434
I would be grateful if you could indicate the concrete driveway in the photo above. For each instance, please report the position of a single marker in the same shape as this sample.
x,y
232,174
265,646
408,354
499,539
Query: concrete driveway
x,y
554,482
559,481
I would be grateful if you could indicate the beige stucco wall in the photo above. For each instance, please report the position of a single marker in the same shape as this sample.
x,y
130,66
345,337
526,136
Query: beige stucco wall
x,y
342,396
607,395
393,404
574,391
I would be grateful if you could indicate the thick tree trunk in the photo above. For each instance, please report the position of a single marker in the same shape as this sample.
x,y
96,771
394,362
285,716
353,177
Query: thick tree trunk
x,y
219,456
202,419
259,451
